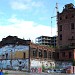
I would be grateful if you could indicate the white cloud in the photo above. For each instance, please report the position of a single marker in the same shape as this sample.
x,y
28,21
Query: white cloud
x,y
37,4
18,5
25,29
25,4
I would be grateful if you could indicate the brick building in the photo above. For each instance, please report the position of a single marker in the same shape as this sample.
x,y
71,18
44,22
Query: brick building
x,y
65,54
16,53
66,27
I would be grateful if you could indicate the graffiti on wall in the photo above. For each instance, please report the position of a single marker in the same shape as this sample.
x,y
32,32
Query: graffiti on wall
x,y
15,64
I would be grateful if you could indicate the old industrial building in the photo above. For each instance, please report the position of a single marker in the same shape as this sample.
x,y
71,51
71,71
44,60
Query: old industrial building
x,y
65,54
46,40
66,27
20,54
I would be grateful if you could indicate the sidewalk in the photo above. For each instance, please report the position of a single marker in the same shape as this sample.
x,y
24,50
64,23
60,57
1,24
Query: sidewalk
x,y
10,72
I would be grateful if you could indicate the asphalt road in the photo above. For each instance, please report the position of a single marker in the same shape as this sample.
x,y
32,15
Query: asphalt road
x,y
26,73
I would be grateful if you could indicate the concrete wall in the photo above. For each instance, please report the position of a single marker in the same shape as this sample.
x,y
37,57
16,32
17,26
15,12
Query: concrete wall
x,y
39,63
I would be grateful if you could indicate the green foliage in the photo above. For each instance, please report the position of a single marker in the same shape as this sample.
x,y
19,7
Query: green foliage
x,y
43,68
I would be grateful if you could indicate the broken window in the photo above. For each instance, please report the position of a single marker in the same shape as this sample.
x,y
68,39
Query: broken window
x,y
40,53
6,55
53,55
72,16
66,17
60,36
35,52
24,55
49,55
72,25
57,55
60,28
63,54
45,54
70,54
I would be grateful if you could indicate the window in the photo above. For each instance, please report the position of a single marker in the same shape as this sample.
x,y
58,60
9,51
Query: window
x,y
57,55
72,37
72,16
40,53
72,25
24,55
6,55
60,36
63,54
49,55
60,18
45,54
34,53
53,55
70,54
60,28
66,17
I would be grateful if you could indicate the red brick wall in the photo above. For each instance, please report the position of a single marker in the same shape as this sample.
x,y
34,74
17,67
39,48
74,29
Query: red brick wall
x,y
66,56
66,32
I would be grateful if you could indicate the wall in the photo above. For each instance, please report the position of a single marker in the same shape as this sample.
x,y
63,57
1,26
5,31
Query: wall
x,y
62,65
37,63
18,64
67,32
14,51
64,54
19,54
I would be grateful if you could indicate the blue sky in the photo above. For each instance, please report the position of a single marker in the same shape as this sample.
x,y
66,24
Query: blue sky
x,y
29,18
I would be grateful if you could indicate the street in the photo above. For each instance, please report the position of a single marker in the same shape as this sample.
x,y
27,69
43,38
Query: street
x,y
26,73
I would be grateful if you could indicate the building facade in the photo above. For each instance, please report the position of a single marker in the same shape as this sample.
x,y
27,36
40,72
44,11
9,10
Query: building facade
x,y
24,55
65,54
46,40
66,27
65,57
